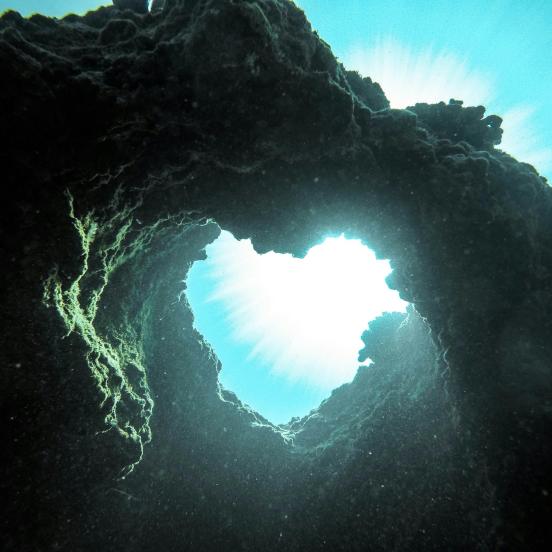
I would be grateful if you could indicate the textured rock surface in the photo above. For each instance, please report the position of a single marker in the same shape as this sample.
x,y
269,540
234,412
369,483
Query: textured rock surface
x,y
124,133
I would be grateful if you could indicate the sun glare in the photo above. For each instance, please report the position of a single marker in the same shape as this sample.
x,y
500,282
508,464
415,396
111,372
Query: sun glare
x,y
411,75
301,319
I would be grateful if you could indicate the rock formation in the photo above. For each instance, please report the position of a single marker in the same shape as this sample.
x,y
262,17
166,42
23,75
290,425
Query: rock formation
x,y
130,136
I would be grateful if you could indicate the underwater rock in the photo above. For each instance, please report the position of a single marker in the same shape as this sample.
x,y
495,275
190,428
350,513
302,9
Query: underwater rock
x,y
127,135
139,6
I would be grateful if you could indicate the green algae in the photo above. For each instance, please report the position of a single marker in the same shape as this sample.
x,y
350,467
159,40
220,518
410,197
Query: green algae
x,y
115,355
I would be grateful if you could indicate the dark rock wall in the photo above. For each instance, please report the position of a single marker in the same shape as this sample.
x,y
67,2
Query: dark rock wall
x,y
124,133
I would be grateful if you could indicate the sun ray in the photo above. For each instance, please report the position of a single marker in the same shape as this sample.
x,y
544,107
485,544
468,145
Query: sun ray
x,y
301,317
411,75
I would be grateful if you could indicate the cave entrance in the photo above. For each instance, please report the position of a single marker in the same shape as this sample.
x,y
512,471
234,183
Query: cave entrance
x,y
287,330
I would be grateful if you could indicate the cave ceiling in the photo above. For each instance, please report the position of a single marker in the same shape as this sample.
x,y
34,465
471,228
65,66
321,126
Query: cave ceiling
x,y
130,137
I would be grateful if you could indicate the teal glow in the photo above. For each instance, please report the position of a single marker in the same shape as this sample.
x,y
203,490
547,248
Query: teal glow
x,y
287,330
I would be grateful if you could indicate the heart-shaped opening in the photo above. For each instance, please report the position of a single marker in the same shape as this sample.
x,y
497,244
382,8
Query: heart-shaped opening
x,y
287,330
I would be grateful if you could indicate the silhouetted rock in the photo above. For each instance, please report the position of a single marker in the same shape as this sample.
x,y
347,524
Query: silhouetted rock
x,y
139,6
125,135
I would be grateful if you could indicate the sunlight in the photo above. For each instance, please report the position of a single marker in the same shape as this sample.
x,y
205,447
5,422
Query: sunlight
x,y
301,318
416,75
410,75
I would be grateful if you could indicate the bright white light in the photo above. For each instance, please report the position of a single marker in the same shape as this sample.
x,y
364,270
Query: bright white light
x,y
409,76
302,317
